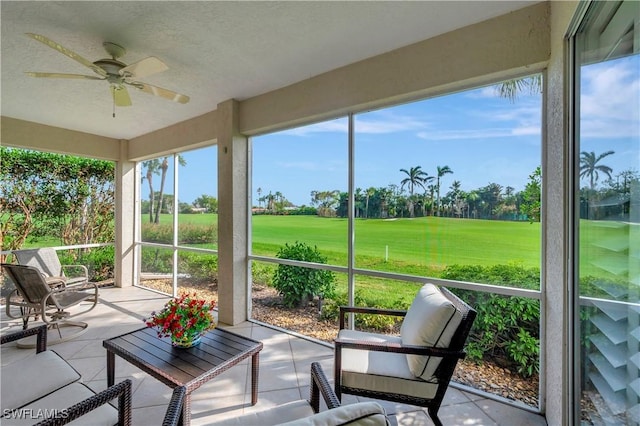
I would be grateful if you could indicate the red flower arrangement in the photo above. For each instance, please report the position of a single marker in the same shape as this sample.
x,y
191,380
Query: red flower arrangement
x,y
184,318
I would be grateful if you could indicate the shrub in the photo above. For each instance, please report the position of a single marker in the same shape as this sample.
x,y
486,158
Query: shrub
x,y
99,261
197,234
188,233
507,327
262,273
201,267
380,323
157,232
156,260
296,284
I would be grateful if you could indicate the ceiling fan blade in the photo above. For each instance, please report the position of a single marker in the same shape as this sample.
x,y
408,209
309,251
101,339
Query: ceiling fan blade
x,y
58,75
144,67
159,91
73,55
120,95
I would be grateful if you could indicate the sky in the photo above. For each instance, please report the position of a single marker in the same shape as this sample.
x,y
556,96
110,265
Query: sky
x,y
480,136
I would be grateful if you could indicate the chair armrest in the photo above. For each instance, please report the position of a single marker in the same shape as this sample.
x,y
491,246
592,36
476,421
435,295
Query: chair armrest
x,y
173,414
367,310
78,277
320,385
398,348
77,288
120,390
40,331
85,271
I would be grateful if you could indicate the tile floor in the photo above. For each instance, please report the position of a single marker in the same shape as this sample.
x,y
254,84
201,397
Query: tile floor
x,y
284,372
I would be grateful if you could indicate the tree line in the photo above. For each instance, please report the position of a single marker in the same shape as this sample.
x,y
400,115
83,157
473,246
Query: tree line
x,y
72,198
419,194
45,194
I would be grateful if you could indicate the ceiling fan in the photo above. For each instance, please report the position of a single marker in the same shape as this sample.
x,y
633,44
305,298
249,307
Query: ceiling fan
x,y
116,73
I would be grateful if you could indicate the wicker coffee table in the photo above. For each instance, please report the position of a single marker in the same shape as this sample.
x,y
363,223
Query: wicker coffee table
x,y
218,351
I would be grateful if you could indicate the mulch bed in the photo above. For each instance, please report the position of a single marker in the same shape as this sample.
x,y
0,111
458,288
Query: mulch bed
x,y
268,308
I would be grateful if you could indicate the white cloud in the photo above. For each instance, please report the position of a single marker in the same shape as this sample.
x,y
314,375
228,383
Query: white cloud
x,y
487,92
480,133
526,131
389,123
610,99
310,166
333,126
382,122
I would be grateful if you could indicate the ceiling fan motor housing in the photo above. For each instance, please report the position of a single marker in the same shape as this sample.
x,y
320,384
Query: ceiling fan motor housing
x,y
112,67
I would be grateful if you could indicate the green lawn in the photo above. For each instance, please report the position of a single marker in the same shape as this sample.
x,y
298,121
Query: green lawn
x,y
419,246
423,242
422,245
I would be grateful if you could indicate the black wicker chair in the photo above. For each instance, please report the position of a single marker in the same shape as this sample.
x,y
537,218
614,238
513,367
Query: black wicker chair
x,y
379,366
369,413
173,415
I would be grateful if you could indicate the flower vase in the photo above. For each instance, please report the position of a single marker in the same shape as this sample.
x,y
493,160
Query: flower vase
x,y
185,341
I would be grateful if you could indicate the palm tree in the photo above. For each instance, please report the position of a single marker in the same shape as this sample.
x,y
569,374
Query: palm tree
x,y
415,177
270,198
259,191
441,172
589,166
164,166
511,88
370,192
472,198
153,168
279,200
455,194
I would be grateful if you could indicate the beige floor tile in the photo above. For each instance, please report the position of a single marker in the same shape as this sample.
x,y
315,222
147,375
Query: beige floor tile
x,y
506,415
285,364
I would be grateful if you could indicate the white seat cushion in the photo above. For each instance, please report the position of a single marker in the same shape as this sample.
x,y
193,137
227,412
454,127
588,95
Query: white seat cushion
x,y
380,371
282,413
34,376
46,407
432,320
360,414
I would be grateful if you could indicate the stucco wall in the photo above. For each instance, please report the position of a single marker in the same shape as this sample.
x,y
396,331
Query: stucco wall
x,y
29,135
555,210
516,43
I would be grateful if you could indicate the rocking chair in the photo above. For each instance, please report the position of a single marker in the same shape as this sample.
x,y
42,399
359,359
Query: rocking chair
x,y
47,262
34,296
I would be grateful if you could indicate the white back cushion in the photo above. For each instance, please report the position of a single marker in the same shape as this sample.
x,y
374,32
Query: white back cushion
x,y
430,321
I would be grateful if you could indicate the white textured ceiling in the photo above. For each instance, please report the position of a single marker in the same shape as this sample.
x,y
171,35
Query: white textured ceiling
x,y
215,51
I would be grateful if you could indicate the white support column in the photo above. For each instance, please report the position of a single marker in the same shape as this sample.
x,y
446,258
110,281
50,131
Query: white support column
x,y
232,216
125,217
555,213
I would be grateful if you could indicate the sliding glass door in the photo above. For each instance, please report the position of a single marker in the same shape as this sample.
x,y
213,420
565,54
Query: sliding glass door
x,y
606,154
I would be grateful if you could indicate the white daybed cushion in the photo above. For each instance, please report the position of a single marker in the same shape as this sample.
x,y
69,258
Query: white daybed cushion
x,y
360,414
33,377
39,410
431,321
